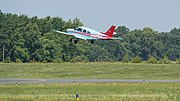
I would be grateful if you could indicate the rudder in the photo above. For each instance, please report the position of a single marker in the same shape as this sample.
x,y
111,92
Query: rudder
x,y
110,31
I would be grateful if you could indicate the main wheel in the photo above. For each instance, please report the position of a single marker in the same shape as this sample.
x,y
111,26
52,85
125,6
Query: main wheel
x,y
75,41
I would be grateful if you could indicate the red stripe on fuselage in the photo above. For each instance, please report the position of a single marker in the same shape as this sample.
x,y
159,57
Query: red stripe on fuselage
x,y
92,35
86,34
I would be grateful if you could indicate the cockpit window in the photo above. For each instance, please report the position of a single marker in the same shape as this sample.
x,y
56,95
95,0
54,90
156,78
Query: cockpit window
x,y
84,31
75,29
79,29
88,32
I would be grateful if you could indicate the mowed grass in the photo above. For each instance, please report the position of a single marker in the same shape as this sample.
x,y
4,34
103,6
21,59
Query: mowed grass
x,y
90,70
91,92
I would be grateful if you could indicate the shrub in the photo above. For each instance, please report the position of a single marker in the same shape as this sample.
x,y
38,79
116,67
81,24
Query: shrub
x,y
136,60
33,61
58,60
126,58
18,60
165,60
152,60
7,60
77,59
178,61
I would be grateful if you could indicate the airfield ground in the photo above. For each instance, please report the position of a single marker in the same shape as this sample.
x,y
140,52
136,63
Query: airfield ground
x,y
91,91
90,70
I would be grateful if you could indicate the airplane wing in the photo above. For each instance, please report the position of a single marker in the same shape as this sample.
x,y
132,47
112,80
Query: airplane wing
x,y
84,37
112,38
118,38
61,32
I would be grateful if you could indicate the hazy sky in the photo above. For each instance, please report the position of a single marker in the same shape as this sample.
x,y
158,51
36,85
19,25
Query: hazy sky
x,y
161,15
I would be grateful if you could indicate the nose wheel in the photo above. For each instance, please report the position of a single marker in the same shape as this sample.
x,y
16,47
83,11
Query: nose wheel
x,y
92,41
71,40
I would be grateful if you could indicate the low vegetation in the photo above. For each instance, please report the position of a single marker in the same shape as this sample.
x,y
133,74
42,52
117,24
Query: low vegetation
x,y
103,70
91,92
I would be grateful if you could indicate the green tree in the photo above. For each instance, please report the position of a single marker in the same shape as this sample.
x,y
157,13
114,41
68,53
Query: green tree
x,y
58,24
171,42
77,23
33,42
32,39
45,25
121,31
144,43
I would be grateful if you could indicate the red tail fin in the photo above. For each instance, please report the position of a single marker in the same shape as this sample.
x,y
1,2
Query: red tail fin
x,y
110,31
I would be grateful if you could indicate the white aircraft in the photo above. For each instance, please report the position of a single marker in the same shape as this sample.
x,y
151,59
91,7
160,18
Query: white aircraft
x,y
90,34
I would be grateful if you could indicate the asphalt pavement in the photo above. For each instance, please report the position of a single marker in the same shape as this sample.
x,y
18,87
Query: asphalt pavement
x,y
57,80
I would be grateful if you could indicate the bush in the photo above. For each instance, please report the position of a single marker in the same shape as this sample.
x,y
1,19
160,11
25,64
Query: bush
x,y
77,59
58,60
33,61
136,60
152,60
126,58
18,60
165,60
7,60
178,61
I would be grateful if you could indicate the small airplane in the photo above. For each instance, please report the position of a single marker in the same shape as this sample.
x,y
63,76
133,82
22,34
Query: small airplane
x,y
89,34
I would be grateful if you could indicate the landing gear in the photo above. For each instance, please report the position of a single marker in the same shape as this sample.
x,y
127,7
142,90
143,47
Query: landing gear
x,y
71,40
76,41
92,41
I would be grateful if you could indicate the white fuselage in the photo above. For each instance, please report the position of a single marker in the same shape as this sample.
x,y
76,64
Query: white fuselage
x,y
87,32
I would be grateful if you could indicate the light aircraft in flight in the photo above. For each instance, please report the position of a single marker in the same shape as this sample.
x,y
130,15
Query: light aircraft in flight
x,y
89,34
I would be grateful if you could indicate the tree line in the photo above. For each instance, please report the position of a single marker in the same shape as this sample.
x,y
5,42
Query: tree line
x,y
31,39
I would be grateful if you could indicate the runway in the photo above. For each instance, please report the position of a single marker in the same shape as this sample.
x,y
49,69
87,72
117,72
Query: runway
x,y
56,80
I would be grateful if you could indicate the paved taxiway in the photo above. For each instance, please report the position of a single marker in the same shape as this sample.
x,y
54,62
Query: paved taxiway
x,y
44,81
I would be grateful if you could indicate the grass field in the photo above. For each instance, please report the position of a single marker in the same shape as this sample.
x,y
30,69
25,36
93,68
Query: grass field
x,y
90,91
90,70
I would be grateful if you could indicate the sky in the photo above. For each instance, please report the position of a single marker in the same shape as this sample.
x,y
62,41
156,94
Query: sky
x,y
161,15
